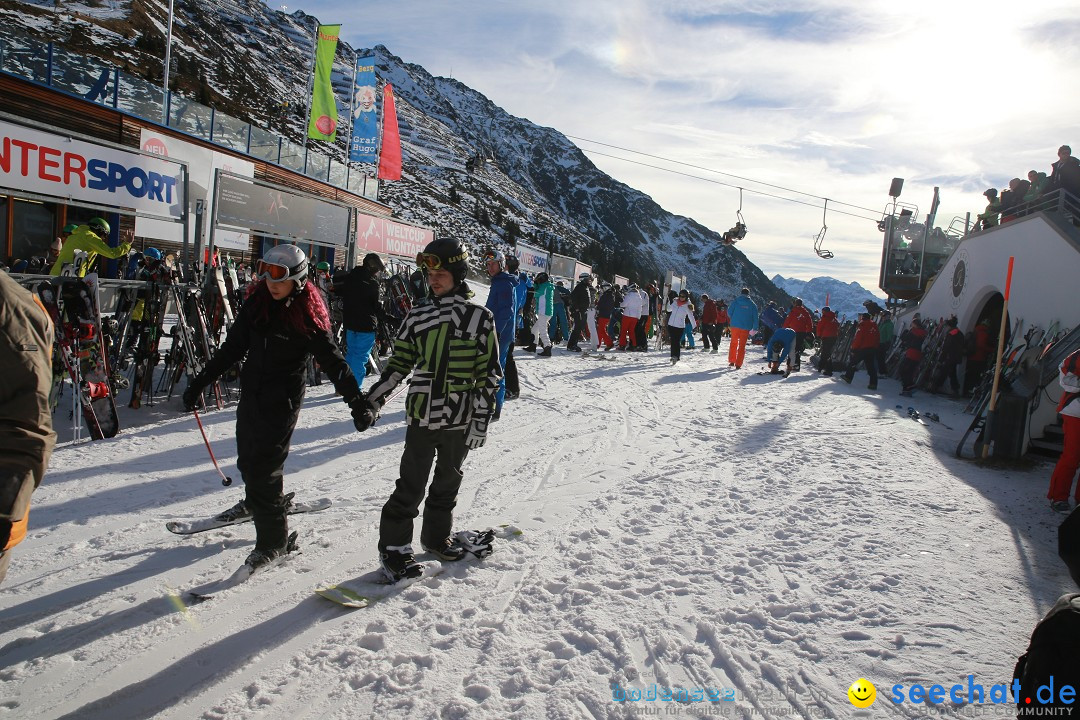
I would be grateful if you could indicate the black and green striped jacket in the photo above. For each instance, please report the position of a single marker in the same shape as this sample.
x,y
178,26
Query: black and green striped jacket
x,y
451,350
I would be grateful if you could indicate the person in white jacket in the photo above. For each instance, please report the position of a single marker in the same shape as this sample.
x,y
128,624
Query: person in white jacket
x,y
679,313
631,311
1069,407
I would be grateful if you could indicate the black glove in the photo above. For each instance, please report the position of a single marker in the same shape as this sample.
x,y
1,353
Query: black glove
x,y
191,398
364,413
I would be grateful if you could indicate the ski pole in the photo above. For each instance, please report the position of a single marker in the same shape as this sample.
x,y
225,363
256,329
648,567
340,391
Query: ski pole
x,y
226,481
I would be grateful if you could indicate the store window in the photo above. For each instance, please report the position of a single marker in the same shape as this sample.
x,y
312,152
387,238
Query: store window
x,y
33,228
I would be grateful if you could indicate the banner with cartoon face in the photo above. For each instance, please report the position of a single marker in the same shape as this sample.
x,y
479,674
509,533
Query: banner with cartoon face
x,y
363,145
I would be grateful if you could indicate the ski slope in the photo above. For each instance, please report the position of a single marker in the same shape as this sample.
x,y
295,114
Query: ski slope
x,y
771,540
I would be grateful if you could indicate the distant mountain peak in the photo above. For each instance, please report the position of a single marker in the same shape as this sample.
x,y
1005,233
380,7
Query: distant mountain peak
x,y
844,298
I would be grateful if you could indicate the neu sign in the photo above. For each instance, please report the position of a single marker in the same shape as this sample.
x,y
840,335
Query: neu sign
x,y
66,168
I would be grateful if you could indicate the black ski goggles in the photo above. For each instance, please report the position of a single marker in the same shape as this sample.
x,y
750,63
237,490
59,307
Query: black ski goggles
x,y
431,261
270,271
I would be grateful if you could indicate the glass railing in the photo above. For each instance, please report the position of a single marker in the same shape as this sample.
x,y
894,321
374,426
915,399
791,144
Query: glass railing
x,y
91,79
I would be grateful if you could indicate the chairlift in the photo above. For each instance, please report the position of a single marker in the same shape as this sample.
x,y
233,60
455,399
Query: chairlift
x,y
738,232
820,237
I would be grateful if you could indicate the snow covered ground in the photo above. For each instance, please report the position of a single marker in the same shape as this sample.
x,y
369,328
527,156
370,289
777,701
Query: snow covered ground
x,y
718,533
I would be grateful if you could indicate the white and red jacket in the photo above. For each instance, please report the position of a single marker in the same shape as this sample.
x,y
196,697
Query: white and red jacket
x,y
1069,380
679,313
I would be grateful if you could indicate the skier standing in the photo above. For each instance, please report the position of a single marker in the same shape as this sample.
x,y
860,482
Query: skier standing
x,y
799,320
502,299
362,311
827,329
680,316
864,349
912,340
543,294
451,350
744,319
281,322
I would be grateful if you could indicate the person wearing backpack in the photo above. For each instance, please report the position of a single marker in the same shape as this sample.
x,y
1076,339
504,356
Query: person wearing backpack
x,y
1069,407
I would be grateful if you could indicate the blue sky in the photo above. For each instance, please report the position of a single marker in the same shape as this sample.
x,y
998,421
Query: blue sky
x,y
831,98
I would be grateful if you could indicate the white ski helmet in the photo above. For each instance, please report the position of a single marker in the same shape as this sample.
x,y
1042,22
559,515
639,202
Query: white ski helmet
x,y
289,257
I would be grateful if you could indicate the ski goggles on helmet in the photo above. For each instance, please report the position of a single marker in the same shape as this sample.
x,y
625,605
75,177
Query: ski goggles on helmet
x,y
272,272
431,261
494,256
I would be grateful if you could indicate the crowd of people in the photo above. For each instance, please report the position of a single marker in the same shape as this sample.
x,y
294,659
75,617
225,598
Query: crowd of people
x,y
1017,199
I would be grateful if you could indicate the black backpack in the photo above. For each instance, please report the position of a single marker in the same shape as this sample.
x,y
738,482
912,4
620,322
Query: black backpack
x,y
1051,661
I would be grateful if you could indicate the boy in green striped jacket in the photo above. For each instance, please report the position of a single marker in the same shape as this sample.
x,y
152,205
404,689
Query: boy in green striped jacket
x,y
449,346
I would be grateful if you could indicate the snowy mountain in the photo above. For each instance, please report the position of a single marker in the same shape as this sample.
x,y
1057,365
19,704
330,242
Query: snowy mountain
x,y
845,299
530,183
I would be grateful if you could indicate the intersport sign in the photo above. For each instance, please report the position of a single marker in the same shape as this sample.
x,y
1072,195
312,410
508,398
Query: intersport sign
x,y
42,163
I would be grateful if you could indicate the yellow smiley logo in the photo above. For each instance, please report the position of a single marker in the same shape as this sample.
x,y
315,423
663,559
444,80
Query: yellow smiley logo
x,y
862,693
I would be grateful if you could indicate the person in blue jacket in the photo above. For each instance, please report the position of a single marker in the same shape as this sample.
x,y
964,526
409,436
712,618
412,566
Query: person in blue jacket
x,y
744,320
772,319
502,302
779,346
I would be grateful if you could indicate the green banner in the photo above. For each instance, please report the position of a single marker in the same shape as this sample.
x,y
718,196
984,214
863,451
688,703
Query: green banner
x,y
322,124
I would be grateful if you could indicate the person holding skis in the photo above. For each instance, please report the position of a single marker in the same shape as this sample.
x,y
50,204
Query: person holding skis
x,y
952,353
1069,409
282,321
864,348
744,320
88,238
451,349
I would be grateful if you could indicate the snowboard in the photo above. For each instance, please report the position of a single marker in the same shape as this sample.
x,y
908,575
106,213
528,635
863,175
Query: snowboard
x,y
234,517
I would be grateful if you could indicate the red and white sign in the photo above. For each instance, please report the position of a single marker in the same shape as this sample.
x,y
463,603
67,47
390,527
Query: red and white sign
x,y
46,164
387,237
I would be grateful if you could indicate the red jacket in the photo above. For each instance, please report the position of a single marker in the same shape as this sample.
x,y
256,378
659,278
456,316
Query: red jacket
x,y
866,336
708,313
799,320
913,339
827,327
722,318
982,343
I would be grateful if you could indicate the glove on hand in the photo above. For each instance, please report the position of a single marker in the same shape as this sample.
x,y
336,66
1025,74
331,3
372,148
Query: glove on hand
x,y
476,435
191,398
364,413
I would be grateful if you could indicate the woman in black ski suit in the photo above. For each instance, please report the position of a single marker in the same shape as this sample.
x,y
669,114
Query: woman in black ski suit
x,y
282,320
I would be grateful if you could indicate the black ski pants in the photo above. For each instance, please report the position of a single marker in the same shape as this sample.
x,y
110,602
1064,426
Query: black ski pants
x,y
908,370
510,373
825,361
580,326
446,447
264,429
675,335
639,333
867,356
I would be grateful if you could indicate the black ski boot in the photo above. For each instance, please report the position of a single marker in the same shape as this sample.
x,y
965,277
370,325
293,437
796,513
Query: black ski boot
x,y
260,558
545,353
398,562
531,347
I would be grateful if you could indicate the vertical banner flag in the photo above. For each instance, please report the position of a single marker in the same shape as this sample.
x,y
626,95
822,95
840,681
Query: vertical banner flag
x,y
364,142
322,124
390,156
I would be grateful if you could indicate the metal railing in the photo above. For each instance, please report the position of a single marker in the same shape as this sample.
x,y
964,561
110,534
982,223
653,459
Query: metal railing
x,y
48,64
